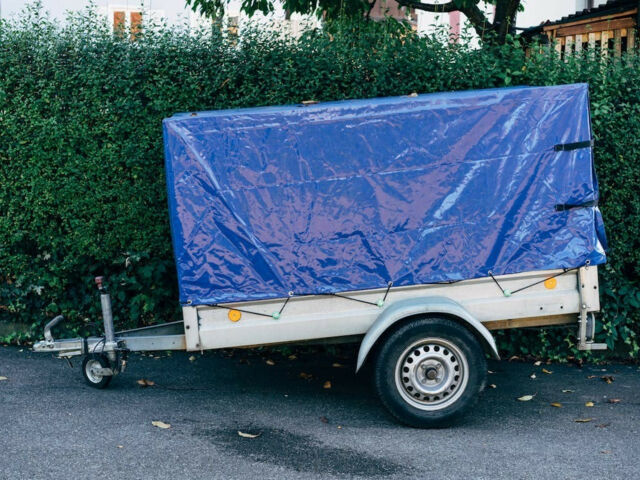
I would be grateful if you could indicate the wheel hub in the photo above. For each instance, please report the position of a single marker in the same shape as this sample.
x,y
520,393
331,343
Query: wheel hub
x,y
431,373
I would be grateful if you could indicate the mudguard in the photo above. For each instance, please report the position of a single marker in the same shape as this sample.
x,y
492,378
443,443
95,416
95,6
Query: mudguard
x,y
416,306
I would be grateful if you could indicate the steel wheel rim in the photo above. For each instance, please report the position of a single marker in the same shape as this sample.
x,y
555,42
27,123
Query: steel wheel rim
x,y
88,370
431,374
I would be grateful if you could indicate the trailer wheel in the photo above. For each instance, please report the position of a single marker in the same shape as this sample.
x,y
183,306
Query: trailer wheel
x,y
92,378
429,371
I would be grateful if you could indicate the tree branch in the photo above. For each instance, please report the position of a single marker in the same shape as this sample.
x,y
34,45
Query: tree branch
x,y
476,17
429,7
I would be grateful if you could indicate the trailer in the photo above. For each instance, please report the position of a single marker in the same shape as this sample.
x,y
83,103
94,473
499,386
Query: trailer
x,y
415,225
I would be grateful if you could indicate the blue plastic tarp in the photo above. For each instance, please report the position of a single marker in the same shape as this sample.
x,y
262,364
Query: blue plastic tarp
x,y
352,195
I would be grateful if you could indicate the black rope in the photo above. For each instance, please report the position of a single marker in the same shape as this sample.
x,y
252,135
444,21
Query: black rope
x,y
508,293
275,315
494,279
389,285
354,299
565,270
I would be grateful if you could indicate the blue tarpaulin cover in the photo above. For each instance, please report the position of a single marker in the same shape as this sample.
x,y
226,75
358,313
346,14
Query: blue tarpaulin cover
x,y
351,195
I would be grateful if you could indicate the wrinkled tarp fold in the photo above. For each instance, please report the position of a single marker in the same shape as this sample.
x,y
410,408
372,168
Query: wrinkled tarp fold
x,y
350,195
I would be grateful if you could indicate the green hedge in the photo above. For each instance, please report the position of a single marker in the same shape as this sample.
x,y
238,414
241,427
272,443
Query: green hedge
x,y
81,161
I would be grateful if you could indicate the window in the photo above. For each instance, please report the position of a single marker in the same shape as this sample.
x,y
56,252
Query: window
x,y
124,18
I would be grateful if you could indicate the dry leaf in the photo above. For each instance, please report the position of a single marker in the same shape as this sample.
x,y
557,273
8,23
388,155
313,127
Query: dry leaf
x,y
526,398
605,451
413,94
614,400
306,376
120,446
3,378
339,426
327,384
337,365
568,391
533,376
143,382
588,404
583,420
591,376
548,372
324,419
159,424
514,357
538,363
603,425
192,358
490,371
556,404
270,362
493,385
292,357
607,378
249,435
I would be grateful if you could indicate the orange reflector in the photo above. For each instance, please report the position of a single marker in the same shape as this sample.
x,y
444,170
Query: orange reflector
x,y
234,315
550,283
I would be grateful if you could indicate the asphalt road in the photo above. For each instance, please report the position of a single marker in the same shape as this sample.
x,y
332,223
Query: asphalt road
x,y
54,426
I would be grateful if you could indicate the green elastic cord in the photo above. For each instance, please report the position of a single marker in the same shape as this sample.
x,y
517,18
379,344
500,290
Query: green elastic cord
x,y
275,315
507,293
380,303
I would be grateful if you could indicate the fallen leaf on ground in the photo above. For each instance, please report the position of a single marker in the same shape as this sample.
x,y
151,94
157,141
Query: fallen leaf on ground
x,y
514,357
327,384
143,382
324,419
270,362
306,376
583,420
159,424
556,404
339,426
538,363
120,446
3,378
192,358
614,400
533,376
567,391
589,404
589,377
605,451
292,357
337,365
526,398
607,378
493,385
548,372
490,371
249,435
603,425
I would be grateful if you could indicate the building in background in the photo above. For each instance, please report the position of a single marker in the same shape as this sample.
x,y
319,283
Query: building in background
x,y
610,26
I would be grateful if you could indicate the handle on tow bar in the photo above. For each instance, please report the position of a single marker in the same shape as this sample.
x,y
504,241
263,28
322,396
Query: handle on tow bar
x,y
47,328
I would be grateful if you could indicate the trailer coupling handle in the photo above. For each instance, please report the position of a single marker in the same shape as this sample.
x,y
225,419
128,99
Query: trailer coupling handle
x,y
47,328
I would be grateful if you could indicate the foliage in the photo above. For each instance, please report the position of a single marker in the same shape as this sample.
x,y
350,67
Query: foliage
x,y
81,160
495,31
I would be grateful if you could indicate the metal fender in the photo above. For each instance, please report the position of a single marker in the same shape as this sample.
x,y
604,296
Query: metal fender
x,y
415,306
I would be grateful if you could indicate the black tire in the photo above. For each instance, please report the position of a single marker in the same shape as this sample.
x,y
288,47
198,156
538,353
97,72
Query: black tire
x,y
93,380
429,371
